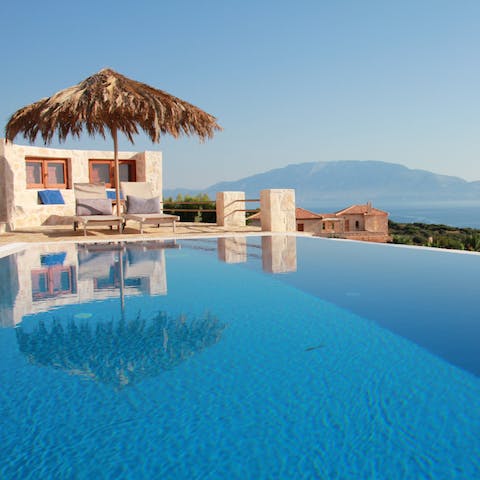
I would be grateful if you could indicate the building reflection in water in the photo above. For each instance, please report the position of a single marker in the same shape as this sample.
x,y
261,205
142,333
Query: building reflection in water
x,y
41,278
232,249
278,252
118,351
138,267
10,288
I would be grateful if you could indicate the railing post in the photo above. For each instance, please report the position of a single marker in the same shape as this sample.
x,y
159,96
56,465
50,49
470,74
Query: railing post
x,y
277,210
227,204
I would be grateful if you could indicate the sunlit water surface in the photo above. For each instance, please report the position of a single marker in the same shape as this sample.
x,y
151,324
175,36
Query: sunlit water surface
x,y
239,358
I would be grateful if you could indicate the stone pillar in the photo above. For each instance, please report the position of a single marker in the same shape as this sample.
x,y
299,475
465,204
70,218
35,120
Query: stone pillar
x,y
227,204
232,250
277,210
279,254
149,169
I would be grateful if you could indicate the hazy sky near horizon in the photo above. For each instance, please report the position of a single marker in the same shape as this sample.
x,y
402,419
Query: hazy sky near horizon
x,y
290,82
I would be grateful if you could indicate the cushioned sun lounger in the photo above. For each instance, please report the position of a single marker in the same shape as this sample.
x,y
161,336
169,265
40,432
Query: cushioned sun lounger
x,y
93,208
143,206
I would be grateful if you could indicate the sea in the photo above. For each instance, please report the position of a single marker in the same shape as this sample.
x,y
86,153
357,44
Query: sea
x,y
456,214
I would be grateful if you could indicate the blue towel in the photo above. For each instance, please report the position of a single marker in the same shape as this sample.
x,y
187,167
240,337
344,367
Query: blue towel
x,y
50,259
113,196
51,197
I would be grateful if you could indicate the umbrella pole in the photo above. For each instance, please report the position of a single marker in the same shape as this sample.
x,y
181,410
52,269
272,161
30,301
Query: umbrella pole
x,y
117,169
122,288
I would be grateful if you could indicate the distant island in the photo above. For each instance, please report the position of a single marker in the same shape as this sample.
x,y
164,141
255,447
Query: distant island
x,y
354,181
409,195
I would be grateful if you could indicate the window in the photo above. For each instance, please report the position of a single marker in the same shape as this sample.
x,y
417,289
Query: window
x,y
104,171
301,227
46,172
53,282
357,225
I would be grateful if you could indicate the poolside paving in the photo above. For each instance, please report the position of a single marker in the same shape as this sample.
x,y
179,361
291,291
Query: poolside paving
x,y
65,233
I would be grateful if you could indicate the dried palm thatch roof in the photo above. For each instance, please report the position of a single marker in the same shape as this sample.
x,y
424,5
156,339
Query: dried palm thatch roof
x,y
109,102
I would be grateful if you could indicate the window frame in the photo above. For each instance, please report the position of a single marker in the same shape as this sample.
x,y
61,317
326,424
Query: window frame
x,y
48,274
111,163
44,161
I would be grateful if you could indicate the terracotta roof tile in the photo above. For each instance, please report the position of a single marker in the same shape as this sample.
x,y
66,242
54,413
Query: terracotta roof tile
x,y
360,210
302,214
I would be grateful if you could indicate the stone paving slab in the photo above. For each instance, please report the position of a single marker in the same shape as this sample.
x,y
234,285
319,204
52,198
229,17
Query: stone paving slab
x,y
66,234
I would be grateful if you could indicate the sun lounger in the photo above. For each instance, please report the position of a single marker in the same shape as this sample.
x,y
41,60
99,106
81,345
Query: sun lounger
x,y
93,208
143,206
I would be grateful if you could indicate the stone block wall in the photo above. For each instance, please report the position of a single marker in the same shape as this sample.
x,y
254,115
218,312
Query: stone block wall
x,y
376,223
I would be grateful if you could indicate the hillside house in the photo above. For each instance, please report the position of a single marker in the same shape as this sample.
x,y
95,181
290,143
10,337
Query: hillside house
x,y
357,222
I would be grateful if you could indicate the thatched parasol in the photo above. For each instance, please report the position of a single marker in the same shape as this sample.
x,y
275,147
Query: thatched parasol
x,y
110,102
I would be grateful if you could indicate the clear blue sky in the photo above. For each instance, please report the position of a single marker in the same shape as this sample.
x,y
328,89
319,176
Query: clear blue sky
x,y
290,82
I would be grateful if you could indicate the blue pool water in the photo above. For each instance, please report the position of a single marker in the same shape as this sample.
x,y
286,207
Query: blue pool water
x,y
239,358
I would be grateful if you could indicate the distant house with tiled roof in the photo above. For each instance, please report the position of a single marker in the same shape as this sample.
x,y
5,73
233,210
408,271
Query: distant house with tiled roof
x,y
303,217
364,218
306,220
358,222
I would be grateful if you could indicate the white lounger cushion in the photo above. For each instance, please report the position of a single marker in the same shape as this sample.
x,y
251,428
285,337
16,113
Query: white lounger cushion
x,y
141,205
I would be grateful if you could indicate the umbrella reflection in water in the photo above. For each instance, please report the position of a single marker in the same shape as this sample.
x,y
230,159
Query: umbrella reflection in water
x,y
122,352
119,351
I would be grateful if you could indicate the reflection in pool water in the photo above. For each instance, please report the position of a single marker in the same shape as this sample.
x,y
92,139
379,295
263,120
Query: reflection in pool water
x,y
119,353
320,359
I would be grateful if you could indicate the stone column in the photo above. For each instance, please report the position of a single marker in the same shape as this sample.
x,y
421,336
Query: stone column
x,y
232,250
279,254
227,204
277,210
149,169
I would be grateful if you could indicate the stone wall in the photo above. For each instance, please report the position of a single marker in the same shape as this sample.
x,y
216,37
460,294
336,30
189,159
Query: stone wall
x,y
360,218
376,223
20,206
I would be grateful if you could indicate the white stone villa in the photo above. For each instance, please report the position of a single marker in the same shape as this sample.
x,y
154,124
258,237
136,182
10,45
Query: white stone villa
x,y
25,171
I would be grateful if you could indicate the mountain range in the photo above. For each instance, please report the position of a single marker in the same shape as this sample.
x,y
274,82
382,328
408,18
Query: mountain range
x,y
352,181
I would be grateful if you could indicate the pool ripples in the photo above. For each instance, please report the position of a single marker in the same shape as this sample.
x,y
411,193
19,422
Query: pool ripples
x,y
274,383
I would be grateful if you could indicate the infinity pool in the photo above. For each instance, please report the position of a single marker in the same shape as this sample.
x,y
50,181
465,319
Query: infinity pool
x,y
242,358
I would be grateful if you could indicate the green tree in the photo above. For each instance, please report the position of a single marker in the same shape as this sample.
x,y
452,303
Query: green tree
x,y
197,208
